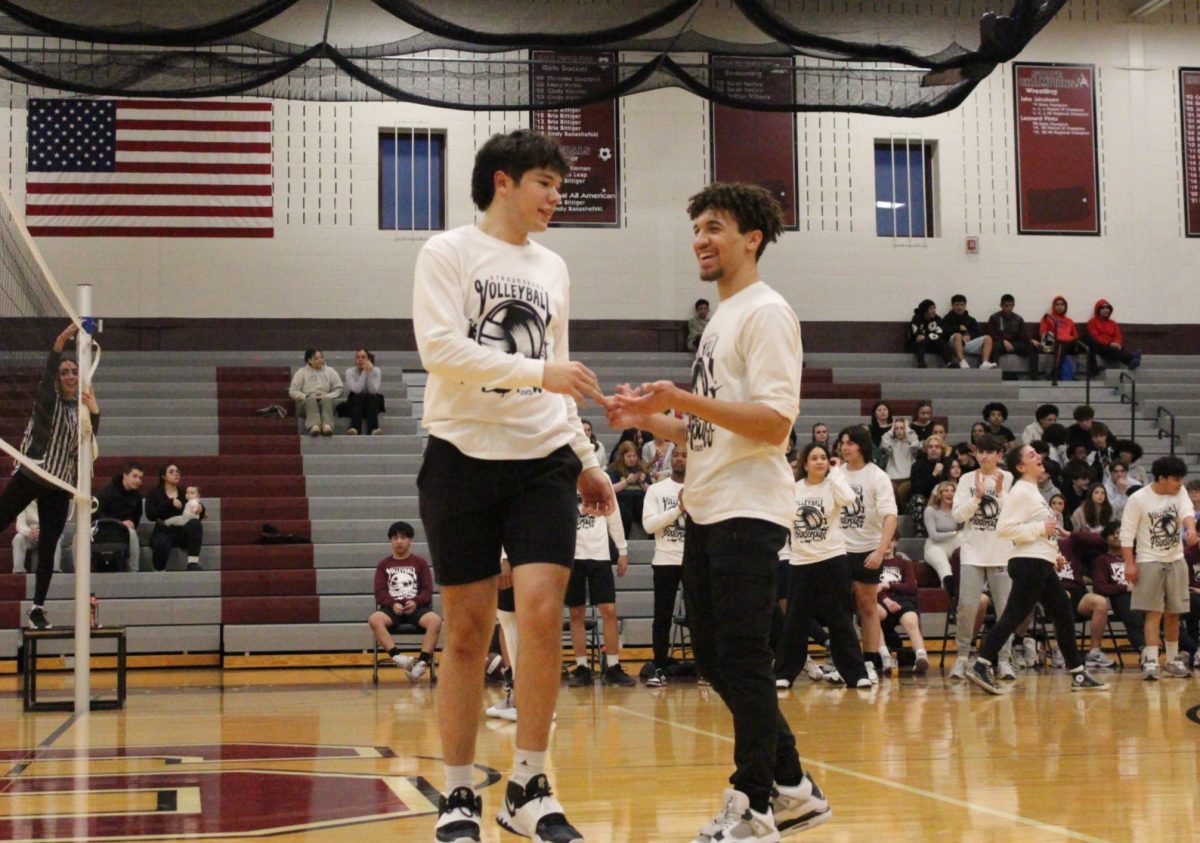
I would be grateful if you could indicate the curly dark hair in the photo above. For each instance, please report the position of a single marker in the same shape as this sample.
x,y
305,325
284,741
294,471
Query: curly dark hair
x,y
752,207
515,154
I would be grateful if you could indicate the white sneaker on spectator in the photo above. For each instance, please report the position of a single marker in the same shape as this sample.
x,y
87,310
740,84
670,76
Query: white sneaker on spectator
x,y
736,821
1005,671
417,670
1096,658
1056,659
402,662
921,664
963,364
987,364
872,674
1150,671
505,709
814,671
799,808
959,670
1030,648
1177,668
834,678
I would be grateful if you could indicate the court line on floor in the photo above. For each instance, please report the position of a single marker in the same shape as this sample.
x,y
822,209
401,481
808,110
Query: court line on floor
x,y
21,766
906,788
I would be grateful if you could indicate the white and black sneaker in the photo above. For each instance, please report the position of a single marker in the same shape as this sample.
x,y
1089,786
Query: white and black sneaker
x,y
1081,680
532,811
506,709
656,679
1177,667
799,808
737,821
458,817
981,674
37,618
1150,671
1097,659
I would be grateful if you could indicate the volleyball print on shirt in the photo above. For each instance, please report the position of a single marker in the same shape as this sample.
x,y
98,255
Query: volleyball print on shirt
x,y
700,432
810,525
513,317
402,583
1164,528
854,517
988,513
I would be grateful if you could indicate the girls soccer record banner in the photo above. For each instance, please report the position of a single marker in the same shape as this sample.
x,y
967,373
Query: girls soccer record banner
x,y
1058,177
588,134
1189,118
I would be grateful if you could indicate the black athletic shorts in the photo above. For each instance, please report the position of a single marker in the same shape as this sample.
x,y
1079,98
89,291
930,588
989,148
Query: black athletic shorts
x,y
1075,594
413,617
591,578
471,507
506,600
859,572
907,604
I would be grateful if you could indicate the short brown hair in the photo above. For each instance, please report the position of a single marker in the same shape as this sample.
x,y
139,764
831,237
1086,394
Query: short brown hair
x,y
753,207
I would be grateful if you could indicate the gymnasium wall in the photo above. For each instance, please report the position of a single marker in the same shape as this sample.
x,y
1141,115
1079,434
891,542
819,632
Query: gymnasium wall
x,y
329,260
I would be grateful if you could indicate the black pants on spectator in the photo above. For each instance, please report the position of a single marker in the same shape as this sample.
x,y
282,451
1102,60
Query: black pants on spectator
x,y
1098,350
1061,350
1034,581
364,405
666,586
935,347
729,590
629,504
164,539
53,505
1191,620
822,587
1133,620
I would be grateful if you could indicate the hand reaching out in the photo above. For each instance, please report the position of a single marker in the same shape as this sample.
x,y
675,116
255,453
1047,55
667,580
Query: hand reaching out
x,y
596,490
574,379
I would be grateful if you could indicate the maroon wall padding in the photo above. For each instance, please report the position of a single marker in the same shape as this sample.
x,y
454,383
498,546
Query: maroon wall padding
x,y
268,583
267,610
10,615
12,586
266,557
818,375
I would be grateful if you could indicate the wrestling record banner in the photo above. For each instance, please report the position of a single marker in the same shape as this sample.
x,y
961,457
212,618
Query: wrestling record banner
x,y
1058,175
588,134
758,147
1189,119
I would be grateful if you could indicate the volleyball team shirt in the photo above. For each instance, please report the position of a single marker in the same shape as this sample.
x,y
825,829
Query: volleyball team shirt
x,y
874,500
750,352
816,527
663,519
487,316
592,533
979,516
1156,523
1020,529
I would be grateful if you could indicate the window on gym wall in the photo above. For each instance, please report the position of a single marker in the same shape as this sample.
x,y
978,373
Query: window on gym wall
x,y
905,192
412,180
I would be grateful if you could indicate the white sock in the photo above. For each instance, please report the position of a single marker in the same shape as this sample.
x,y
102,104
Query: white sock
x,y
613,661
1095,650
1150,654
1172,650
581,661
526,765
884,653
459,776
508,625
922,652
193,560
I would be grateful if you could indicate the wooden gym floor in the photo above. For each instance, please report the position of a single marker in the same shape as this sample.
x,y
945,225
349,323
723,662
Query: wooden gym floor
x,y
323,755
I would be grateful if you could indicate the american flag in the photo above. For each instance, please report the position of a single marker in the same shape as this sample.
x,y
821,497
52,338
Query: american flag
x,y
149,168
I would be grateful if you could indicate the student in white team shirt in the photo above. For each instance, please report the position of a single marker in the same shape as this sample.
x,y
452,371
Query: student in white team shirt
x,y
744,399
1027,522
505,455
1153,518
819,579
868,527
983,556
663,517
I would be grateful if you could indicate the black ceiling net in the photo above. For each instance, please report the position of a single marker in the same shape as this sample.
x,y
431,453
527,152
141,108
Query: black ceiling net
x,y
894,57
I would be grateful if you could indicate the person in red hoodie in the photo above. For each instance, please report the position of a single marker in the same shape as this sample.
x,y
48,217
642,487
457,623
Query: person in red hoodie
x,y
1104,339
1059,335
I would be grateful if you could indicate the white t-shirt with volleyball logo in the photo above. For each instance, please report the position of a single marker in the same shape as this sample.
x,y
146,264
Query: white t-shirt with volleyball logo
x,y
592,533
980,544
663,519
816,528
1156,523
874,500
750,352
487,316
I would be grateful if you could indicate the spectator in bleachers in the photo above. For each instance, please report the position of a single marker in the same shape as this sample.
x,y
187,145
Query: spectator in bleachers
x,y
1108,580
820,434
121,501
938,428
1008,332
404,595
656,456
697,323
639,438
1058,505
1105,341
164,506
52,439
964,336
597,445
1130,453
1059,336
926,333
954,470
1077,477
944,534
363,381
995,414
900,445
922,420
1044,416
978,431
1051,473
1193,492
630,479
1089,607
1056,438
27,538
964,454
1080,433
928,470
315,388
1102,454
1094,513
880,422
898,605
663,518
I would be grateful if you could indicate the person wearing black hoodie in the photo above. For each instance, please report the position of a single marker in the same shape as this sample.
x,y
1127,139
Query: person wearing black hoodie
x,y
121,501
926,333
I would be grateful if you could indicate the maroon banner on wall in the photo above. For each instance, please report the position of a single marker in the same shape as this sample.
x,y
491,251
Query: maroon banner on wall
x,y
758,147
588,134
1189,118
1058,177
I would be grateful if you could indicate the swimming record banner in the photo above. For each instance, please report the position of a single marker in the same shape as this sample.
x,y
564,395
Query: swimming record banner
x,y
1058,176
1189,119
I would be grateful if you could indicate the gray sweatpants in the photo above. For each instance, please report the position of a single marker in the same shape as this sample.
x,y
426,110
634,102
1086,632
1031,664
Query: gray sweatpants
x,y
971,579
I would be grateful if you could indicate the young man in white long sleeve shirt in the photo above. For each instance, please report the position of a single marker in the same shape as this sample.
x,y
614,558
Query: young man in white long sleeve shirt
x,y
983,556
505,455
663,514
1156,520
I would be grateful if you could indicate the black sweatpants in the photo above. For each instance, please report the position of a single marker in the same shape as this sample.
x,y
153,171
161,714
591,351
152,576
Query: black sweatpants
x,y
53,505
666,586
729,590
1035,581
822,587
164,539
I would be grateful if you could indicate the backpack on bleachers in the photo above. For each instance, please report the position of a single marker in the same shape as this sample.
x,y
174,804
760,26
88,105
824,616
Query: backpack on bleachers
x,y
110,546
